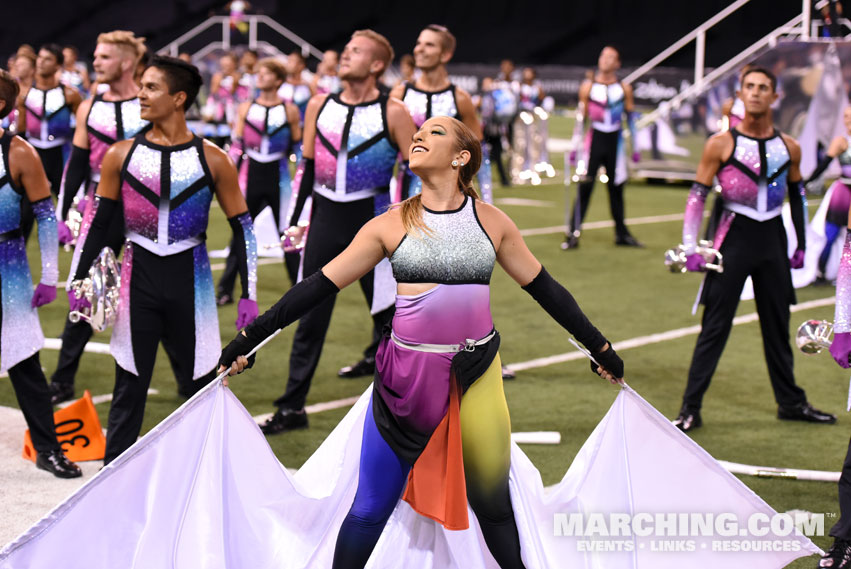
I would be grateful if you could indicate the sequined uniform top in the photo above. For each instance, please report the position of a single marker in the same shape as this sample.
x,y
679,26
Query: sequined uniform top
x,y
10,195
530,95
354,156
166,192
48,117
328,84
20,331
422,105
456,250
737,112
845,163
267,133
298,95
107,123
459,257
606,106
753,180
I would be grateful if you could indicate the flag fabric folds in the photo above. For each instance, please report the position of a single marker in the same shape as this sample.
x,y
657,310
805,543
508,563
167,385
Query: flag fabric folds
x,y
203,490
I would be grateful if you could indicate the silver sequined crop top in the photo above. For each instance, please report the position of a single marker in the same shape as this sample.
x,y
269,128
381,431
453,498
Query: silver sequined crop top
x,y
458,250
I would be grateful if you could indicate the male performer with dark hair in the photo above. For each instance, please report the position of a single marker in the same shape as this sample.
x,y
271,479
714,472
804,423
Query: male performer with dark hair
x,y
351,140
265,130
45,113
757,166
22,178
102,120
605,101
432,94
166,178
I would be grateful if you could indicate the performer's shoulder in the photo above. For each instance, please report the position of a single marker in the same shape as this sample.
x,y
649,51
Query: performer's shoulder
x,y
396,109
20,149
719,142
85,107
398,91
213,152
793,146
317,101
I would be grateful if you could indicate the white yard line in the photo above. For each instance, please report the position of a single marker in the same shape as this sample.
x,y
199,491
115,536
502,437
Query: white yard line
x,y
603,224
659,337
105,398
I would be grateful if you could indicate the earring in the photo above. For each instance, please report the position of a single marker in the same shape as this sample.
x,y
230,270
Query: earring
x,y
454,163
462,163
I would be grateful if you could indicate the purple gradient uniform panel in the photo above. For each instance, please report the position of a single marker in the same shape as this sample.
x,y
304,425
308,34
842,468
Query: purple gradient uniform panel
x,y
141,215
190,190
107,123
360,157
20,331
414,384
755,176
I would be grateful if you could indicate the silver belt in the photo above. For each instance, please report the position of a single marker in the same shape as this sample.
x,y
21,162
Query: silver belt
x,y
468,345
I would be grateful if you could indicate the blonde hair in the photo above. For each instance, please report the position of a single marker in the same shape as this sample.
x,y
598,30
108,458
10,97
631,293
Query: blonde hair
x,y
384,53
447,40
126,41
412,208
275,66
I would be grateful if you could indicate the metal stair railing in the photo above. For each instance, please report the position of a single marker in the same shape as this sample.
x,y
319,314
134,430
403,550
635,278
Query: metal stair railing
x,y
802,26
697,35
254,22
791,28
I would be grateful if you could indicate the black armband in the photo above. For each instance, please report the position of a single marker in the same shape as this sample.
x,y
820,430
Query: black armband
x,y
304,189
297,302
820,168
798,207
561,305
96,238
76,173
610,361
239,346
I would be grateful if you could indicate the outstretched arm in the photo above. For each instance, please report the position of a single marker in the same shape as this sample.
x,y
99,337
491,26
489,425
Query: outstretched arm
x,y
514,256
360,257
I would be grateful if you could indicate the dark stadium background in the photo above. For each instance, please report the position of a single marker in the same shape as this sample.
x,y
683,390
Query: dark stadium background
x,y
566,32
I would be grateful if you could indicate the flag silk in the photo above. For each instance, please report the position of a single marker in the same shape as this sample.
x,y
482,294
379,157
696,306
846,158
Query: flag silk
x,y
203,490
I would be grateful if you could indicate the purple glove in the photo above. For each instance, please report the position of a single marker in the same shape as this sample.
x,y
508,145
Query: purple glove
x,y
695,263
65,235
797,259
840,348
246,312
44,294
636,157
572,158
77,304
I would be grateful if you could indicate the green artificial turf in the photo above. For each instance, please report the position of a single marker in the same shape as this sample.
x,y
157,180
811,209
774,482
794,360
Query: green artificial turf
x,y
626,292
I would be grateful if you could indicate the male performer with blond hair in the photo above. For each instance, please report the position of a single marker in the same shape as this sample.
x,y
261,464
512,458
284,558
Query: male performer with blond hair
x,y
102,120
351,140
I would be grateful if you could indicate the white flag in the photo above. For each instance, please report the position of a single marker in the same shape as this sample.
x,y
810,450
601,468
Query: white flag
x,y
203,490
